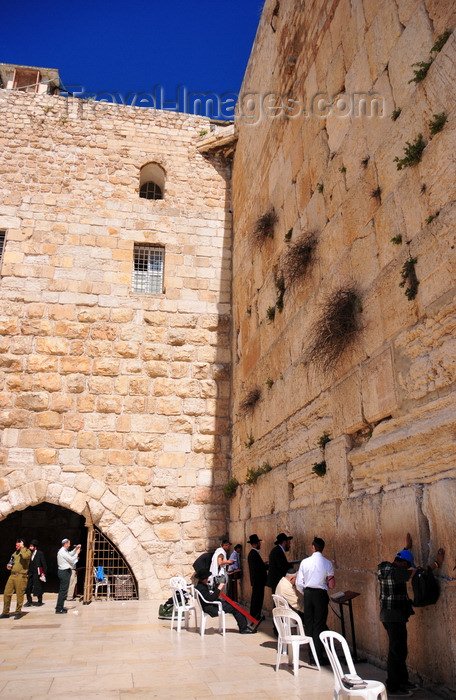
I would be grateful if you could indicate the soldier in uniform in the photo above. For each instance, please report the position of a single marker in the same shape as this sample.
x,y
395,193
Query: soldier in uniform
x,y
17,583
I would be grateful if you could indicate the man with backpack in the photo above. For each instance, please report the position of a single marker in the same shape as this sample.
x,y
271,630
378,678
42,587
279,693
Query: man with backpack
x,y
395,610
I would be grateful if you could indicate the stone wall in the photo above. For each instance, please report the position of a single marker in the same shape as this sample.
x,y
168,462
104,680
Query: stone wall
x,y
387,400
111,399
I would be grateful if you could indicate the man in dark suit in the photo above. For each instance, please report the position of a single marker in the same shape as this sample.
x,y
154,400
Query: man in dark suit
x,y
258,575
36,575
278,562
211,596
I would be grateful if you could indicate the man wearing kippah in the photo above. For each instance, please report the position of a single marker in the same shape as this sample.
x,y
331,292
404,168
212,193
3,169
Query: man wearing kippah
x,y
17,583
395,610
65,562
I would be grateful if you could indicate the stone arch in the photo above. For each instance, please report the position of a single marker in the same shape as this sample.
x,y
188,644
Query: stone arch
x,y
122,523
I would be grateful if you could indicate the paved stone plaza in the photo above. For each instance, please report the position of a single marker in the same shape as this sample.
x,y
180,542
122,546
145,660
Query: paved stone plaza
x,y
115,651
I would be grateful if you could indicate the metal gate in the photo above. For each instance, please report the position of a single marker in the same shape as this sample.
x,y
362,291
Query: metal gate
x,y
108,575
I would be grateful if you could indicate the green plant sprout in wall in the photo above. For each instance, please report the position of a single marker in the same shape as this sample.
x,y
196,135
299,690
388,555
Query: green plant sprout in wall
x,y
248,443
320,187
413,152
323,440
319,468
441,41
396,113
230,487
409,278
254,474
269,383
289,234
270,313
437,124
280,285
421,71
397,239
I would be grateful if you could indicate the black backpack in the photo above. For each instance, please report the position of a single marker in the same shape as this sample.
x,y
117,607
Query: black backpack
x,y
203,561
425,588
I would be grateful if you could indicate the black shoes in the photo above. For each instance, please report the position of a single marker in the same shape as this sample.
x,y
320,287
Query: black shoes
x,y
28,605
3,615
38,605
247,630
61,612
17,616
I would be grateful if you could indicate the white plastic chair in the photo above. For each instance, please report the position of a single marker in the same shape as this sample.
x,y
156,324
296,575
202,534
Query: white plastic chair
x,y
283,620
373,688
221,613
183,601
101,582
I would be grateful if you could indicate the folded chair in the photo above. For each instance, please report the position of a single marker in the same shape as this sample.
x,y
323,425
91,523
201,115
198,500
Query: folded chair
x,y
183,601
204,615
345,686
284,618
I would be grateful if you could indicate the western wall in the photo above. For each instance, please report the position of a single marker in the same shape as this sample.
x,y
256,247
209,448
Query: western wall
x,y
343,377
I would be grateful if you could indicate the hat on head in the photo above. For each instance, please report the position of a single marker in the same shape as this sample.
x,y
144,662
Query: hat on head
x,y
34,542
282,537
253,539
204,573
65,540
406,555
291,572
225,541
19,539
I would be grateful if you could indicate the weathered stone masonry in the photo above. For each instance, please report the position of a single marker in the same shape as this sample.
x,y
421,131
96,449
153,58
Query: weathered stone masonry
x,y
111,398
389,404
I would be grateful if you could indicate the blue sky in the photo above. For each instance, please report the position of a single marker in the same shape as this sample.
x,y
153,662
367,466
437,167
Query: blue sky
x,y
131,47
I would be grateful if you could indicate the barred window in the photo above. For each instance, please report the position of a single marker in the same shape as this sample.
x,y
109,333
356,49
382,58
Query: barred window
x,y
148,265
2,246
150,191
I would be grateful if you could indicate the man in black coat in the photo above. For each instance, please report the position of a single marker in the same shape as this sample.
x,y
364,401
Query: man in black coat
x,y
278,562
211,596
258,574
36,575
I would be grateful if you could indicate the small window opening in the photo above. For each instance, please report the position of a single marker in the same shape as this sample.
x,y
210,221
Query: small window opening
x,y
148,266
150,191
152,181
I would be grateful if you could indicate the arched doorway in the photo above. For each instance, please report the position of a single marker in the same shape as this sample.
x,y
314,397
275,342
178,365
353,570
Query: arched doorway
x,y
49,524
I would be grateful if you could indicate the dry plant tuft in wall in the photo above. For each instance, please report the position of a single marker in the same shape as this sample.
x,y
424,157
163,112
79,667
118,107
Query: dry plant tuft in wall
x,y
335,329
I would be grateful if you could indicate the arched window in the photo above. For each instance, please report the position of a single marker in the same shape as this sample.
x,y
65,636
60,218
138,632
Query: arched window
x,y
152,181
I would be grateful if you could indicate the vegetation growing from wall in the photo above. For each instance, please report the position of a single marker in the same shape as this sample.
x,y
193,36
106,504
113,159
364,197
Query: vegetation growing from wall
x,y
409,278
336,328
230,487
412,153
264,228
253,474
250,400
298,257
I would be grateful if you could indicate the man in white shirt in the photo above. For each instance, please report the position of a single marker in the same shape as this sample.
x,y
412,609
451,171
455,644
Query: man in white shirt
x,y
315,577
66,561
219,561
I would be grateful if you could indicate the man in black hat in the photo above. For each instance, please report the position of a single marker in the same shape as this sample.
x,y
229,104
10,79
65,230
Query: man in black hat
x,y
278,562
36,575
17,583
258,574
212,596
